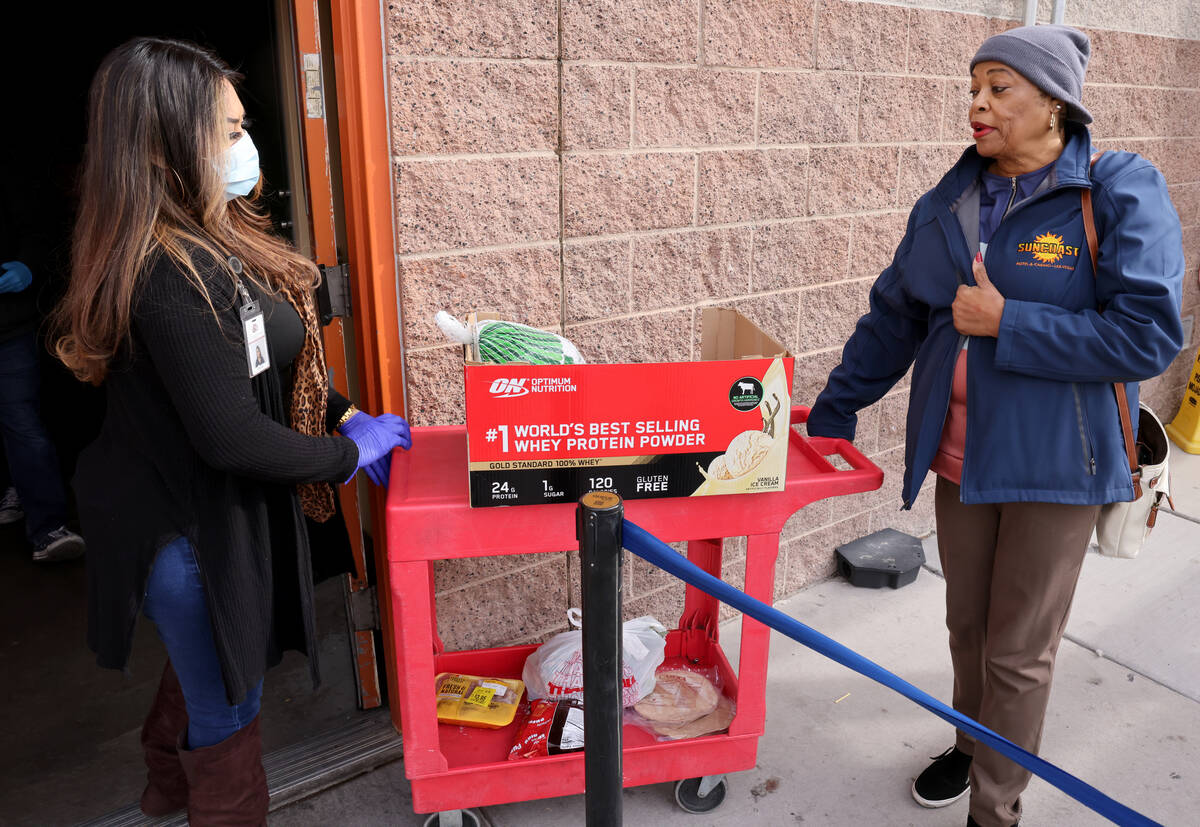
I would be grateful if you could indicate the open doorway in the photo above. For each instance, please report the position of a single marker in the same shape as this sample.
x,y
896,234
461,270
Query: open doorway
x,y
69,747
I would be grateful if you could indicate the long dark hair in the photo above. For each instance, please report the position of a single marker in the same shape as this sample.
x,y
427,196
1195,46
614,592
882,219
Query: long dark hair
x,y
152,185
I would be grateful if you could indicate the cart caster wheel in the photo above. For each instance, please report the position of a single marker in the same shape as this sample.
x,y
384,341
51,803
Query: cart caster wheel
x,y
455,818
693,795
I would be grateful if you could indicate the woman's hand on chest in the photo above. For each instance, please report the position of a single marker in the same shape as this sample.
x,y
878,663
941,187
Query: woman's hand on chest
x,y
978,310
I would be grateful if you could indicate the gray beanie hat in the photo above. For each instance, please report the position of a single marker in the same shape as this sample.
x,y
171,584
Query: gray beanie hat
x,y
1053,57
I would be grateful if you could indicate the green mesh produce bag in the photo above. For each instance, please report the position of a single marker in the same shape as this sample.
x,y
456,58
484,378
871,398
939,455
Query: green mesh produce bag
x,y
500,342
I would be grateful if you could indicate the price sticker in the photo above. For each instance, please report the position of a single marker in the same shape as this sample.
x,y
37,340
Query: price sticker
x,y
482,696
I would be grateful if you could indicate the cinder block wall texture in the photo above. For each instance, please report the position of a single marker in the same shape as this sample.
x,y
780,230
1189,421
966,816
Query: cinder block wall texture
x,y
608,168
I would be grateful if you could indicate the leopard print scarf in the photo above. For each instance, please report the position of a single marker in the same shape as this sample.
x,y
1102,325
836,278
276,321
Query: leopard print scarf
x,y
310,397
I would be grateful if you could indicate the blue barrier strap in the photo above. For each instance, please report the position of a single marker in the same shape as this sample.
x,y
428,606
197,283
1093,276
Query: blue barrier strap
x,y
650,548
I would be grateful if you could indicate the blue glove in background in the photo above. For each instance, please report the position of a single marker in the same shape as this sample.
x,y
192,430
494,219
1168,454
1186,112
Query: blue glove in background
x,y
375,437
16,277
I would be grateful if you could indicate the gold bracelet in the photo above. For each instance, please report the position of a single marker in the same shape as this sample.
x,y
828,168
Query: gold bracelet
x,y
351,411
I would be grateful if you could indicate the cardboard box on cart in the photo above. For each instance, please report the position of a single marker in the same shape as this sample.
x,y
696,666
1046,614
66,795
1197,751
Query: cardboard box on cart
x,y
550,433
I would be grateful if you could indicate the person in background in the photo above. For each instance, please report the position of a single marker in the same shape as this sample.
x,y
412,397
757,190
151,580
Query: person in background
x,y
31,485
195,495
1015,342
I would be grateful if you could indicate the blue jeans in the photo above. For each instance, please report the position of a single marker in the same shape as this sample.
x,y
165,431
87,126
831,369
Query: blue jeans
x,y
176,603
32,462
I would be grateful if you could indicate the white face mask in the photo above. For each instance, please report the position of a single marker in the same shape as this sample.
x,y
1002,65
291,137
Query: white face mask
x,y
241,168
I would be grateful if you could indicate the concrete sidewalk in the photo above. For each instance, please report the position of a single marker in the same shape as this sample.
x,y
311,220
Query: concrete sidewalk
x,y
842,750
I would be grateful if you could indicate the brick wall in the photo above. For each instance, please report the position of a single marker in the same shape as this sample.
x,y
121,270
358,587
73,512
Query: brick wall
x,y
607,168
1144,93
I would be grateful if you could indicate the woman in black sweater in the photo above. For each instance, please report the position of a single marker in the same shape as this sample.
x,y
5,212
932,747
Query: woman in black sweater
x,y
221,434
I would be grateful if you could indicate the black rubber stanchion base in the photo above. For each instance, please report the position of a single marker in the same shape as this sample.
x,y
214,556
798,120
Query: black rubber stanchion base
x,y
885,558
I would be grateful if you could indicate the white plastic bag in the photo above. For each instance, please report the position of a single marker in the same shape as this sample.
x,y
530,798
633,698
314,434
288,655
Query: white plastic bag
x,y
555,669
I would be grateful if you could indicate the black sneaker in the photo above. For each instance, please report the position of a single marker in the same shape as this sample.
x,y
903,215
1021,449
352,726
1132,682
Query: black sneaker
x,y
59,544
944,781
10,507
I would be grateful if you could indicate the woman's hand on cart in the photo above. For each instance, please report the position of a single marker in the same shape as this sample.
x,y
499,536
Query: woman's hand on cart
x,y
376,437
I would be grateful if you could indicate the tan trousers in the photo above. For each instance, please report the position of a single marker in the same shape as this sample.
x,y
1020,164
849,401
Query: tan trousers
x,y
1010,572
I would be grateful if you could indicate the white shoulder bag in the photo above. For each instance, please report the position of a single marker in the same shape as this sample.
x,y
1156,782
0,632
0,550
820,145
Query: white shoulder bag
x,y
1124,526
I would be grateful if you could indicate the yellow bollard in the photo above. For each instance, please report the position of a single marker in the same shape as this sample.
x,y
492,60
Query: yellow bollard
x,y
1184,429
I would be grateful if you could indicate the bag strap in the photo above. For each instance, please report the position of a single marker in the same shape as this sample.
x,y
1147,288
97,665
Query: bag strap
x,y
1089,230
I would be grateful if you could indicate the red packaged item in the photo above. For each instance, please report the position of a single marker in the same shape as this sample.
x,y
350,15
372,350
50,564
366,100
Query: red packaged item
x,y
552,728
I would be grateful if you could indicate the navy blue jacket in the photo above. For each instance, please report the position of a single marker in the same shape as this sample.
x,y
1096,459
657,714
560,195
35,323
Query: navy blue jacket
x,y
1041,414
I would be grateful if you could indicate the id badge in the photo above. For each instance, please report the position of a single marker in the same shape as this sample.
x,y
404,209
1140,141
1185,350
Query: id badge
x,y
258,355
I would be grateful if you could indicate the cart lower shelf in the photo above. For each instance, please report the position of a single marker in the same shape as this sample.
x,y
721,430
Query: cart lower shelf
x,y
479,773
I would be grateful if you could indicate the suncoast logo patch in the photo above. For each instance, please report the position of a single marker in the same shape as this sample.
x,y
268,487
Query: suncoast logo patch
x,y
1047,250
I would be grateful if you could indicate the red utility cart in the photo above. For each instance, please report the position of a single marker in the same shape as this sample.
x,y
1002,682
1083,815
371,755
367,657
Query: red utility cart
x,y
428,518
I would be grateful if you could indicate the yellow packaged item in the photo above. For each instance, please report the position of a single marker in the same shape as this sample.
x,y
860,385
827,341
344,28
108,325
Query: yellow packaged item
x,y
469,700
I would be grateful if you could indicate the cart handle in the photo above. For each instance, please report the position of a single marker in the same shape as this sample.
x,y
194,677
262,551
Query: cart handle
x,y
833,445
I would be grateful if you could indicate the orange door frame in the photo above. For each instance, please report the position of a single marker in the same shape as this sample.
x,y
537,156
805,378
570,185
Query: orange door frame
x,y
314,131
363,127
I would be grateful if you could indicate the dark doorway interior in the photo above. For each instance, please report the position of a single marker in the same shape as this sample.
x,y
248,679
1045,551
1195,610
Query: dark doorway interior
x,y
68,730
57,56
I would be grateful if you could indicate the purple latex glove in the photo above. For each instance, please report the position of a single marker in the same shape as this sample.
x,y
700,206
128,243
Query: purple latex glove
x,y
14,277
375,437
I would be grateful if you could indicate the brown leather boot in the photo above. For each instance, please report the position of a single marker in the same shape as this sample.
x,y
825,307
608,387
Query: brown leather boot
x,y
166,785
227,786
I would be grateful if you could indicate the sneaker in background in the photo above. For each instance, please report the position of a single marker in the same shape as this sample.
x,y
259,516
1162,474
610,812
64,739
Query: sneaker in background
x,y
59,544
10,507
944,781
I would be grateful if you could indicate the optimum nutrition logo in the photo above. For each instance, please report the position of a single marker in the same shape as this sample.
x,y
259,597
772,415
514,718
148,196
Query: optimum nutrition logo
x,y
503,388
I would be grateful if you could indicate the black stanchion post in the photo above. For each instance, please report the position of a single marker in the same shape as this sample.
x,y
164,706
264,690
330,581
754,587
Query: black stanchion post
x,y
599,519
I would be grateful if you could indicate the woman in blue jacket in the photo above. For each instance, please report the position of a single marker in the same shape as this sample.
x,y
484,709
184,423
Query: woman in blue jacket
x,y
1016,341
